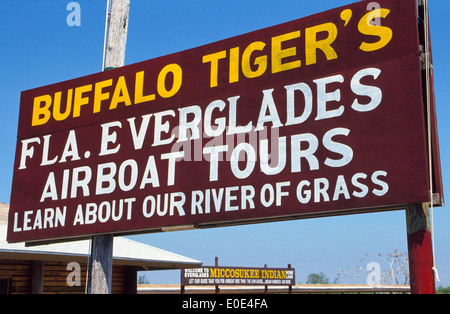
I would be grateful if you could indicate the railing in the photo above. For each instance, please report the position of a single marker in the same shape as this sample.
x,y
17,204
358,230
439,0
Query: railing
x,y
297,289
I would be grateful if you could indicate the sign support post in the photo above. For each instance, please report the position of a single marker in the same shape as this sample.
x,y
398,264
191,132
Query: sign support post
x,y
216,263
420,249
290,286
420,241
100,271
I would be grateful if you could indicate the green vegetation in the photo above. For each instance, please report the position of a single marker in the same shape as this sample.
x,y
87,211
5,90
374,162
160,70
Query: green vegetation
x,y
443,290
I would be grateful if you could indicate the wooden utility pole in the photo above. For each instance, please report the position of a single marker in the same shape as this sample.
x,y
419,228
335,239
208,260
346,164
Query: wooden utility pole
x,y
100,270
116,34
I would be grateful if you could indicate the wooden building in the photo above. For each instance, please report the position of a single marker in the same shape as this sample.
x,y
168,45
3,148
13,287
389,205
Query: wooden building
x,y
62,268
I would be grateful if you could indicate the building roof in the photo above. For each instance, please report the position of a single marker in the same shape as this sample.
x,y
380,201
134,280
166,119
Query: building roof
x,y
125,251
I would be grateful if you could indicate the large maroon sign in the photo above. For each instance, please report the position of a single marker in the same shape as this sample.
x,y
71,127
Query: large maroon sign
x,y
319,116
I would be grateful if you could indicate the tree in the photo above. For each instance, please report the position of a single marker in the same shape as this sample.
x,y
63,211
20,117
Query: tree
x,y
142,280
442,290
317,279
393,268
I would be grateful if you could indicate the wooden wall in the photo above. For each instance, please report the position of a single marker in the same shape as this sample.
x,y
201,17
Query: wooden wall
x,y
19,274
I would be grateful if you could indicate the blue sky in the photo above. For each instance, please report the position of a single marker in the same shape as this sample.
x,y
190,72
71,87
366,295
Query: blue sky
x,y
39,48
